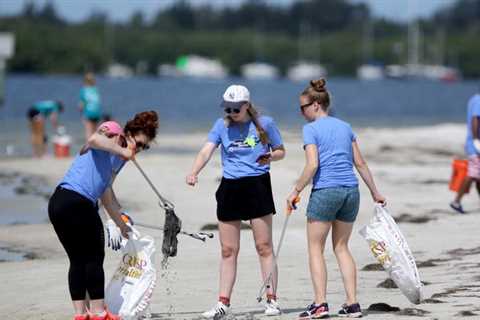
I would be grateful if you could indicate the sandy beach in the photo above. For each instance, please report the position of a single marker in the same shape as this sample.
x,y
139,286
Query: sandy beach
x,y
412,167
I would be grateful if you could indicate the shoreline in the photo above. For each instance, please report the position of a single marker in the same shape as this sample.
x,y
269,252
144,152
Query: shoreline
x,y
410,166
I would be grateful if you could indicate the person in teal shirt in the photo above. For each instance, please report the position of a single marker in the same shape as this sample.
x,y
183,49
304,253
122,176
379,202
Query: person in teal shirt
x,y
90,105
36,115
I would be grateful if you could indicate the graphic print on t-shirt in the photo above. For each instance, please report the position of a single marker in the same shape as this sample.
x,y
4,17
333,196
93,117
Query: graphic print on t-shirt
x,y
248,143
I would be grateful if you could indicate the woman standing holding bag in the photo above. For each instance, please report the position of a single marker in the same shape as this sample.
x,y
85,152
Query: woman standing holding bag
x,y
331,151
249,143
73,208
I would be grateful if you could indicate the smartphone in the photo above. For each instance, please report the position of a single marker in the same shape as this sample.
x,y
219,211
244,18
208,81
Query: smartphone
x,y
264,156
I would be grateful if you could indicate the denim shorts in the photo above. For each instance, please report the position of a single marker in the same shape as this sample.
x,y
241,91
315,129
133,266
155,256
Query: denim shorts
x,y
338,203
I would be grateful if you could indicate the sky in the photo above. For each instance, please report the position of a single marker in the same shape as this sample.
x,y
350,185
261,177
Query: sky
x,y
121,10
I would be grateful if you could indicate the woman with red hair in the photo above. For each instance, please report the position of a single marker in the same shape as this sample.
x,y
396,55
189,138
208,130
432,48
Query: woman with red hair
x,y
73,208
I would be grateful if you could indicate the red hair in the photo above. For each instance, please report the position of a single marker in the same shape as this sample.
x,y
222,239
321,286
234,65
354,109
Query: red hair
x,y
144,122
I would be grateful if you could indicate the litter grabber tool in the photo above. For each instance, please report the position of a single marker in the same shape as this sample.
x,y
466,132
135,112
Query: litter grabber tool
x,y
172,225
202,236
269,279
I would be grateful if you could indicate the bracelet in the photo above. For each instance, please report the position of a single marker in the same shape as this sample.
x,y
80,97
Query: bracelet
x,y
298,191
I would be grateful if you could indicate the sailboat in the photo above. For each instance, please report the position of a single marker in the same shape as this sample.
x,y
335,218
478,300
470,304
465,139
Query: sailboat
x,y
305,69
369,70
415,69
259,71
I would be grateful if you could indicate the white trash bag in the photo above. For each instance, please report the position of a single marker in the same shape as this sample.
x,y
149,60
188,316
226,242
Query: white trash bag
x,y
391,250
129,292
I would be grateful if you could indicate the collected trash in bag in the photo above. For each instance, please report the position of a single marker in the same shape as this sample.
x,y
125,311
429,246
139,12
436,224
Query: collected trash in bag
x,y
129,292
391,250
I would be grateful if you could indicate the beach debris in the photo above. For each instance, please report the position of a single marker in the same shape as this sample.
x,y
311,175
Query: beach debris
x,y
427,264
373,267
382,307
405,217
464,252
433,301
449,292
466,314
413,312
387,284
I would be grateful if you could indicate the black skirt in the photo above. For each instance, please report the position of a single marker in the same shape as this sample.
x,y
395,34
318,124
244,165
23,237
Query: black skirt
x,y
245,198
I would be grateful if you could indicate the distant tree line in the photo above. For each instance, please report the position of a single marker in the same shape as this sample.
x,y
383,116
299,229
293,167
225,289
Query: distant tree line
x,y
331,32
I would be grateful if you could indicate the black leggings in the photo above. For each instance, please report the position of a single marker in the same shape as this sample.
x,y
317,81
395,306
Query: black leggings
x,y
80,230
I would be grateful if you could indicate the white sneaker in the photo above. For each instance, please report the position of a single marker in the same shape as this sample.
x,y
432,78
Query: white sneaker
x,y
217,312
272,308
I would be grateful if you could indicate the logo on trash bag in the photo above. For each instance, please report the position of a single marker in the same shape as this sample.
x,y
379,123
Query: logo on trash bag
x,y
379,250
132,266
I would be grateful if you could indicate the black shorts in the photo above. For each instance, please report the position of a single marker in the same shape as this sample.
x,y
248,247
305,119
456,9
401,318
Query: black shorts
x,y
92,119
244,198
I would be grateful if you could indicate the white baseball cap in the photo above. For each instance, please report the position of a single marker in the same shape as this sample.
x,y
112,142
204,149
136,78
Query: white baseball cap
x,y
235,96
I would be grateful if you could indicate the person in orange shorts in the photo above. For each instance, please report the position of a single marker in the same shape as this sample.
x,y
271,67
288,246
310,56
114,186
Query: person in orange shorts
x,y
472,149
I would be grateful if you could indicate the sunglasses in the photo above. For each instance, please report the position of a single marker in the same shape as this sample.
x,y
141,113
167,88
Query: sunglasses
x,y
304,106
231,110
140,145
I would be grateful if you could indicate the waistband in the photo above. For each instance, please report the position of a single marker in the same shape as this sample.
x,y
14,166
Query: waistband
x,y
62,189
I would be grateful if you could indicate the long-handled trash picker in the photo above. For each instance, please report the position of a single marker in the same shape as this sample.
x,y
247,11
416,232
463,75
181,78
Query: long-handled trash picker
x,y
202,236
172,225
269,279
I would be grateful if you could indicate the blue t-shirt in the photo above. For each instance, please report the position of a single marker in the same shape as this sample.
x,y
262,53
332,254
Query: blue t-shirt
x,y
90,98
333,138
241,146
46,107
473,110
91,173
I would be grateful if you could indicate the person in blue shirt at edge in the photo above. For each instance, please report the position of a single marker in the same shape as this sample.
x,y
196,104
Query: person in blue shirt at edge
x,y
36,115
331,150
472,149
249,143
90,105
73,207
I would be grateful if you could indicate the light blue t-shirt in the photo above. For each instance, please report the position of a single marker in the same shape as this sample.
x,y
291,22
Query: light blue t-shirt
x,y
333,138
90,98
473,110
241,146
91,173
46,107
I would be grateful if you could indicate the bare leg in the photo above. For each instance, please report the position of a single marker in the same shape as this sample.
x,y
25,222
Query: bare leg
x,y
317,232
38,135
262,234
80,306
97,306
230,243
463,189
341,232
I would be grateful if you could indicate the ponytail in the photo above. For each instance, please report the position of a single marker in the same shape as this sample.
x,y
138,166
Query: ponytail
x,y
253,113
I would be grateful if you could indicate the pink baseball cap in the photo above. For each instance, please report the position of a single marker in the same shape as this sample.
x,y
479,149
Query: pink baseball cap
x,y
112,127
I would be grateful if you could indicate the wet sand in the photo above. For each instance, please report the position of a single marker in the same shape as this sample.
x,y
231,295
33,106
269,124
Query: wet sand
x,y
412,167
